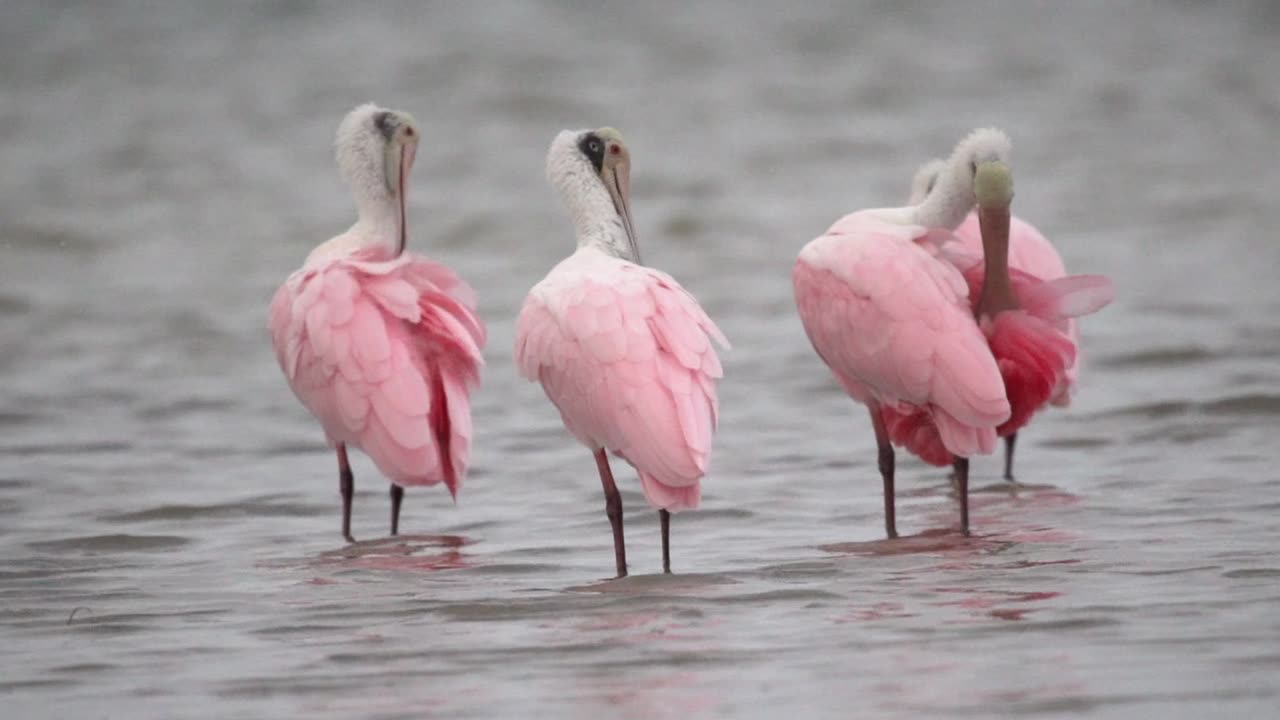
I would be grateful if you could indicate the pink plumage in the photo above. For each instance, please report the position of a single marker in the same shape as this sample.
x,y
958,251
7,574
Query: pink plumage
x,y
894,324
381,345
1031,252
1030,346
624,354
384,352
947,346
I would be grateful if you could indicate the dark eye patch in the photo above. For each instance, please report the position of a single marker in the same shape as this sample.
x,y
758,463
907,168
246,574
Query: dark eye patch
x,y
593,148
383,122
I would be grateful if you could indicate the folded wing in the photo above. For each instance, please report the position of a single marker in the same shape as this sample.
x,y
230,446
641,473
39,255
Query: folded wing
x,y
385,355
625,354
893,323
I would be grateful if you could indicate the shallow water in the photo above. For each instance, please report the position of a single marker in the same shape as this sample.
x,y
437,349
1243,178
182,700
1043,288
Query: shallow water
x,y
169,540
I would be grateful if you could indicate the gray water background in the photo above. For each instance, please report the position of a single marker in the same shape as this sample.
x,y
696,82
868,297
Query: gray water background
x,y
169,540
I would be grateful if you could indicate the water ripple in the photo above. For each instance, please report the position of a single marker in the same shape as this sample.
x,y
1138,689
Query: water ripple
x,y
256,508
112,543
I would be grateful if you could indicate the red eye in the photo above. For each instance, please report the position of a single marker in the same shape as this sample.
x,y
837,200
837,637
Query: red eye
x,y
614,149
408,131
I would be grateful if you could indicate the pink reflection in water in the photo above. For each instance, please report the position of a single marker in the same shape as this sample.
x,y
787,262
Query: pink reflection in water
x,y
988,603
1002,525
647,649
993,507
405,553
641,628
998,522
875,611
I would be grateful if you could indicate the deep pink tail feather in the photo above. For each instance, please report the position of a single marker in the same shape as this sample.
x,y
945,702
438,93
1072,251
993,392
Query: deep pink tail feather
x,y
1033,358
916,432
1034,351
934,436
1034,346
441,428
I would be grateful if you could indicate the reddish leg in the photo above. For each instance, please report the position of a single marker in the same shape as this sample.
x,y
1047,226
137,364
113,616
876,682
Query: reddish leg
x,y
397,497
613,508
886,470
346,486
961,466
1008,456
665,519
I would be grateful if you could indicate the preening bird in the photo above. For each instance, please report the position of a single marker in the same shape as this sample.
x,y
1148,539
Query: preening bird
x,y
381,345
944,351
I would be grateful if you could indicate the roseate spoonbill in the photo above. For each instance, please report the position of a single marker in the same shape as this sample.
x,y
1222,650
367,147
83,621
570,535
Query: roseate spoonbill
x,y
621,349
1029,252
381,345
940,362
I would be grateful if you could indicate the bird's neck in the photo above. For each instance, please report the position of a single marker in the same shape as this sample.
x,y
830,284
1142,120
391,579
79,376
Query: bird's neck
x,y
381,228
597,224
949,202
377,229
377,222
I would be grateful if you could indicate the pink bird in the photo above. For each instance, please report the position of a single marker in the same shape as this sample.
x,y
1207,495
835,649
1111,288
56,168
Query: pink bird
x,y
941,363
621,349
1029,252
381,345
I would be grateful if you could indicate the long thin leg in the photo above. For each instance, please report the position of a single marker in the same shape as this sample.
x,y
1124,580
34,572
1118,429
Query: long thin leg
x,y
886,470
613,508
961,466
347,487
1008,456
665,518
397,497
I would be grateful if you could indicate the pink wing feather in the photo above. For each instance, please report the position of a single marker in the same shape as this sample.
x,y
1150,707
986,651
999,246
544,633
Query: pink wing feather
x,y
625,354
1031,252
1031,349
385,353
1031,345
893,323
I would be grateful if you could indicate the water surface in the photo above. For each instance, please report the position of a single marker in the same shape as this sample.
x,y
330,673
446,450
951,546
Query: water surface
x,y
169,541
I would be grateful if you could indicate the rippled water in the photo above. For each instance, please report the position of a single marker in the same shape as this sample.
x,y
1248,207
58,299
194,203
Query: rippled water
x,y
169,540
